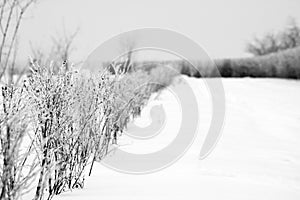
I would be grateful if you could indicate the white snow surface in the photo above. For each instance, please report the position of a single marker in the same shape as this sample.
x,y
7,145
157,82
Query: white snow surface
x,y
257,157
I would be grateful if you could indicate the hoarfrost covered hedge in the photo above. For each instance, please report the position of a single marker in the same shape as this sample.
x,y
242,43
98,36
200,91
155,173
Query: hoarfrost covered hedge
x,y
56,125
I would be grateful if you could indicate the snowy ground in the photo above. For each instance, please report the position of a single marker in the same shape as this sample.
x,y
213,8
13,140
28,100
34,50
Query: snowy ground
x,y
258,156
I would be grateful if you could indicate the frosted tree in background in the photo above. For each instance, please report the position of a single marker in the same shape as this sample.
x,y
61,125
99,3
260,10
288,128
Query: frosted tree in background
x,y
11,16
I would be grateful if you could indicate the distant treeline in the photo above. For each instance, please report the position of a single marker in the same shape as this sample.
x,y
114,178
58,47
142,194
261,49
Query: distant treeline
x,y
283,64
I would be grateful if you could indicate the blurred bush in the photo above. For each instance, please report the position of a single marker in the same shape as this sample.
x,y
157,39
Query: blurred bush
x,y
275,42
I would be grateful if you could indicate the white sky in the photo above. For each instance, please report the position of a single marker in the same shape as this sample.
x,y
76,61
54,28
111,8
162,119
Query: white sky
x,y
221,27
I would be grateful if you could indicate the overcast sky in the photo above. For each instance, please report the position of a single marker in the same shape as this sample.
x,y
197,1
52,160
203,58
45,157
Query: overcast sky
x,y
221,27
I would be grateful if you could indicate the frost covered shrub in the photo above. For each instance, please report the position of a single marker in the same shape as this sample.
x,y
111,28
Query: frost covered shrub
x,y
162,77
51,100
121,99
73,122
132,91
17,166
57,124
62,106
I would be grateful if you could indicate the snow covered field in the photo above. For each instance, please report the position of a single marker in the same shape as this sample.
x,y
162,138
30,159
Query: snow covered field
x,y
258,156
